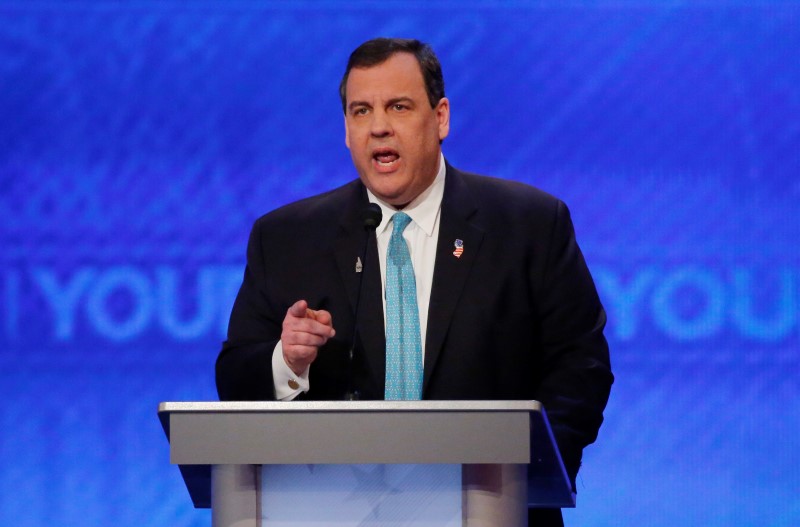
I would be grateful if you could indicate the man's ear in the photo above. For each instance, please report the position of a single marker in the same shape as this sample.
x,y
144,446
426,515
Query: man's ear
x,y
346,133
443,117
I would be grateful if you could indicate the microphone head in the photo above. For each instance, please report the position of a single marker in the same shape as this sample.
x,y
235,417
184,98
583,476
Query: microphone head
x,y
372,216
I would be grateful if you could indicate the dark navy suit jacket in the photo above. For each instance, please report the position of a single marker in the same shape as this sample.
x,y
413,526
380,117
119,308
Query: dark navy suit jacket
x,y
515,317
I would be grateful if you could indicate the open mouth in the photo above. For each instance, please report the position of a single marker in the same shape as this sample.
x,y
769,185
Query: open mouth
x,y
385,157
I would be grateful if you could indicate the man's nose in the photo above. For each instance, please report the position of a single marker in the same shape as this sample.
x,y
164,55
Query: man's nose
x,y
381,125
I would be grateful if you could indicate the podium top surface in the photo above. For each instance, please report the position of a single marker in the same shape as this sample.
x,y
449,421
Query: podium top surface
x,y
166,408
348,406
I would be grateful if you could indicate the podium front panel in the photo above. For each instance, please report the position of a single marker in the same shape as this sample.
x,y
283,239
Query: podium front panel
x,y
349,432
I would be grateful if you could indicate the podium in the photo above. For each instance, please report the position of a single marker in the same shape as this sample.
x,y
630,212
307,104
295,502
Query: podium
x,y
502,453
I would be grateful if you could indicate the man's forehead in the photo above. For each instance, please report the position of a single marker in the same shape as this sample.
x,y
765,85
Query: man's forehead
x,y
400,70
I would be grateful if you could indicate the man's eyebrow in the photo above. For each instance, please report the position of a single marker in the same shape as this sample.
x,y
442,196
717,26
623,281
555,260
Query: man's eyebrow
x,y
400,99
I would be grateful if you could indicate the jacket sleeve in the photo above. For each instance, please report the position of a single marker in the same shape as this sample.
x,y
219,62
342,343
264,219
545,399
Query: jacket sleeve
x,y
244,365
575,368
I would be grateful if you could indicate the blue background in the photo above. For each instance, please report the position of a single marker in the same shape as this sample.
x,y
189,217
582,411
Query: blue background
x,y
140,140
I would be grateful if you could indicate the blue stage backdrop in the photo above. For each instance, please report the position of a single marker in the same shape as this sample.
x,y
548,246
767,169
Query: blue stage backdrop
x,y
140,140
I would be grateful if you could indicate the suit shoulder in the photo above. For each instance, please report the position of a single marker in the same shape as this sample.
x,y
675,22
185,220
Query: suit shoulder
x,y
514,196
317,211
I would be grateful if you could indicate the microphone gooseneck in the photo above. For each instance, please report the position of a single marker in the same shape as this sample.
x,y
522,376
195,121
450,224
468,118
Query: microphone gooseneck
x,y
372,216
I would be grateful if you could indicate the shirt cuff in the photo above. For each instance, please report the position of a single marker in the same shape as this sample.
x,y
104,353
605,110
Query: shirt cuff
x,y
288,385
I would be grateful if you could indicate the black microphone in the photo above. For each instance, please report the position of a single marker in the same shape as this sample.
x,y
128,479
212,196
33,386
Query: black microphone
x,y
372,216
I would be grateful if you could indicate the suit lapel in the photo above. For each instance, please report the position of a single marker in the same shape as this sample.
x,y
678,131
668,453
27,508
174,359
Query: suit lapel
x,y
450,272
349,245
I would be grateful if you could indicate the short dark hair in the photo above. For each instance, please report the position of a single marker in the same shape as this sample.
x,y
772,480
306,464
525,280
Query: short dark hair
x,y
378,50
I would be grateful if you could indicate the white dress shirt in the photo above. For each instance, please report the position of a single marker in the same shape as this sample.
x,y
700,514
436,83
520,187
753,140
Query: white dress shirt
x,y
422,236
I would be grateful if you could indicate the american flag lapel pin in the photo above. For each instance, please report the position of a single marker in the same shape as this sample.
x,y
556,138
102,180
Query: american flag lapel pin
x,y
459,245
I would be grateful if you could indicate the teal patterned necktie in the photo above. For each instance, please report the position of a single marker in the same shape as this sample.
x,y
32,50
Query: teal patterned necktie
x,y
403,343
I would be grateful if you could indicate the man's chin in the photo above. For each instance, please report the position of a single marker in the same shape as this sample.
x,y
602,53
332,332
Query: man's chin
x,y
394,197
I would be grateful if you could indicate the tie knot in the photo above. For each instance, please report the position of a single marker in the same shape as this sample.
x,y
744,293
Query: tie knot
x,y
401,221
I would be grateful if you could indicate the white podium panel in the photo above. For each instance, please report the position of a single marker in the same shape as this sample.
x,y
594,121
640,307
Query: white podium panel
x,y
361,495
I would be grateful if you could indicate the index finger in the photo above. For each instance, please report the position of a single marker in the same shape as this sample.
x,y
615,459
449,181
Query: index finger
x,y
323,317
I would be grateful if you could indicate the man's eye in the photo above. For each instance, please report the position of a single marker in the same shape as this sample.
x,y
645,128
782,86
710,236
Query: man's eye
x,y
400,107
360,111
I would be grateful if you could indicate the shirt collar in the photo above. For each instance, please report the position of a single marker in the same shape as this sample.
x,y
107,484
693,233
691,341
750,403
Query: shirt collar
x,y
423,210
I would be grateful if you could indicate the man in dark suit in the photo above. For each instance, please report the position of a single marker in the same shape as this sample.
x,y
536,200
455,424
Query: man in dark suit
x,y
507,307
